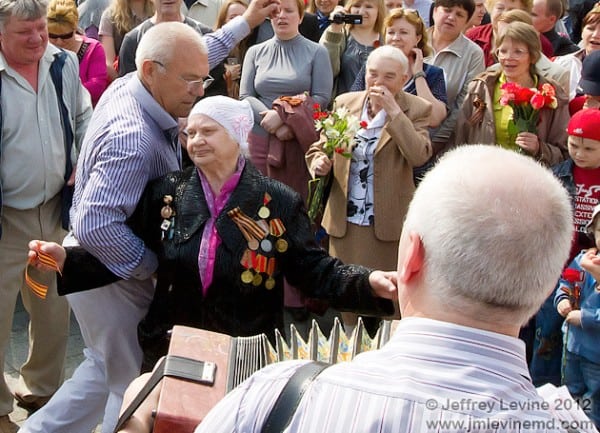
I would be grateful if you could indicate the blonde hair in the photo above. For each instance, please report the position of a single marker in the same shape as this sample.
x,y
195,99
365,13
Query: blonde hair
x,y
514,16
222,16
122,16
242,47
62,16
412,16
381,12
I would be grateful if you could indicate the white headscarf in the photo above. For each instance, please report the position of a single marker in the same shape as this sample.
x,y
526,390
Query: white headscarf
x,y
235,116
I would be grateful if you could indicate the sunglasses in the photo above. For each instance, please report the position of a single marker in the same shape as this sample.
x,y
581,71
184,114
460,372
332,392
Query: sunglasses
x,y
64,36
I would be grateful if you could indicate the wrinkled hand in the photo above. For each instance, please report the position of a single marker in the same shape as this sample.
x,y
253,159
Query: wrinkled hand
x,y
270,121
382,98
321,166
529,142
56,251
384,284
284,133
418,63
574,318
564,307
259,10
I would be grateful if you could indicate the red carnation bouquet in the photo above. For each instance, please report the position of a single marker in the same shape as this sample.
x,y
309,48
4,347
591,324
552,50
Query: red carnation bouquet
x,y
526,104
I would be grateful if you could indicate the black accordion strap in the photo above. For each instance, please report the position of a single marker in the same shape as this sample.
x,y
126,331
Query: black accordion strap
x,y
290,396
172,366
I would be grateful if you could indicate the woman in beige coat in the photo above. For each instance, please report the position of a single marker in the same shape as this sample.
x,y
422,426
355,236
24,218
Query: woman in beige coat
x,y
371,190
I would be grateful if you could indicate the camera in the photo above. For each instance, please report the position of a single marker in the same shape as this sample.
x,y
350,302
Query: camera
x,y
347,19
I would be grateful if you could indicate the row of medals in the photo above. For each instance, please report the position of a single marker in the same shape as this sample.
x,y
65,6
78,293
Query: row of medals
x,y
250,275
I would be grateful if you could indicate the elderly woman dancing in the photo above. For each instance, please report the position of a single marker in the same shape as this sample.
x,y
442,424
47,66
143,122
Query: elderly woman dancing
x,y
226,236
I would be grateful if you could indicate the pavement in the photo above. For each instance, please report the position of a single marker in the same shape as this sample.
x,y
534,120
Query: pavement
x,y
17,349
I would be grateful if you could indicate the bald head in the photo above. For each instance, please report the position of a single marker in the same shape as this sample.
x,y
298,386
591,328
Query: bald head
x,y
495,228
163,41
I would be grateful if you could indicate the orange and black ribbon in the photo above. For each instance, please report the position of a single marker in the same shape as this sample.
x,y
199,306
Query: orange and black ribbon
x,y
39,289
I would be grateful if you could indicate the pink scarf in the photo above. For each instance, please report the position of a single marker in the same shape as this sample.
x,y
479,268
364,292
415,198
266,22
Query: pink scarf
x,y
210,238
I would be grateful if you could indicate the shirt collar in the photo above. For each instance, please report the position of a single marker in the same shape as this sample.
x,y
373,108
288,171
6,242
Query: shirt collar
x,y
485,349
164,120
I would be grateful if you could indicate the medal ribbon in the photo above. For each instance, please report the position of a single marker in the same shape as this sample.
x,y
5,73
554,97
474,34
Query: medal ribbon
x,y
246,224
39,289
276,227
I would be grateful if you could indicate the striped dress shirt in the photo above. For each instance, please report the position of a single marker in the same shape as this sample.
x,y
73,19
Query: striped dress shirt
x,y
125,147
430,377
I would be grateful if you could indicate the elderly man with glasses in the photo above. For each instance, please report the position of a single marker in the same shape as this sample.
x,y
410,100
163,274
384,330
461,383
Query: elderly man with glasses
x,y
132,139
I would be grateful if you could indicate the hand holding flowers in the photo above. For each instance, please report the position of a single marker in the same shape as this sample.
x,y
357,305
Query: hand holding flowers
x,y
526,104
339,128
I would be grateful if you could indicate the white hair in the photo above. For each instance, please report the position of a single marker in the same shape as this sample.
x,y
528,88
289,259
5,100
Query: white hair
x,y
163,41
496,228
389,52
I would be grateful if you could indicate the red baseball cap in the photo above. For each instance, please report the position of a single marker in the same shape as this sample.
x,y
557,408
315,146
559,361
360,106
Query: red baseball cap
x,y
585,124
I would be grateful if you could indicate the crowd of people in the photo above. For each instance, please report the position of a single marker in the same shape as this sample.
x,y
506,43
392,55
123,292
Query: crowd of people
x,y
163,157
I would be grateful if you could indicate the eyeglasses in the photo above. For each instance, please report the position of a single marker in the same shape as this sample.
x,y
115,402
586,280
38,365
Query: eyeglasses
x,y
515,54
192,85
64,36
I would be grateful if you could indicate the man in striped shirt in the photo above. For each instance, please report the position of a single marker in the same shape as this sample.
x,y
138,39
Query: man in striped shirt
x,y
484,241
131,139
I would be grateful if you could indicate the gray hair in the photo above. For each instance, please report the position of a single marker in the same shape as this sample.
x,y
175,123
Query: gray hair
x,y
161,42
28,10
496,228
389,52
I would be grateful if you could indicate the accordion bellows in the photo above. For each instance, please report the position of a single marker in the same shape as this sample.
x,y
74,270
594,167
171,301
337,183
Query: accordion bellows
x,y
184,404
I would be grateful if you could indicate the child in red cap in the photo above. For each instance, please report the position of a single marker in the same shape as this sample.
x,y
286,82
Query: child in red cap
x,y
580,175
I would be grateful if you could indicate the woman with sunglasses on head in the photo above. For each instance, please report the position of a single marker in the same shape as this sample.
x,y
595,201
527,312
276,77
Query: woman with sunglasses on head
x,y
404,29
63,20
483,119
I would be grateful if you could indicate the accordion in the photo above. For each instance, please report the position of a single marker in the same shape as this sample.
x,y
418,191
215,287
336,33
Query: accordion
x,y
228,361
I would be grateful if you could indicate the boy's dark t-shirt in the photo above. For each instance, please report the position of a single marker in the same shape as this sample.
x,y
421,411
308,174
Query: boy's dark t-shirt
x,y
587,196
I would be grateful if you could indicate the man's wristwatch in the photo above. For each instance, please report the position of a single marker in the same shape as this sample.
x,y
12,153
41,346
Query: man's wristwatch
x,y
418,74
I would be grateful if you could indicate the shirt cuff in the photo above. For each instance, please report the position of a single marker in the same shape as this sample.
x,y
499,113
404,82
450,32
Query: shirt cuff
x,y
146,267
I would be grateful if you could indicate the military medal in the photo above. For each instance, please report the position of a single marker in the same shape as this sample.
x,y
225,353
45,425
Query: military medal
x,y
266,245
253,244
257,280
247,276
277,229
281,245
263,211
270,283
